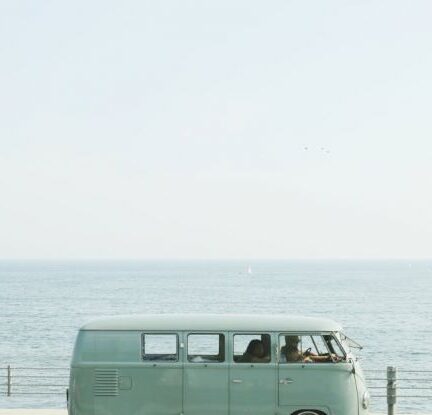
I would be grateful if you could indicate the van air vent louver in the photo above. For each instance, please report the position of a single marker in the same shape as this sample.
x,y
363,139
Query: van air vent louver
x,y
105,382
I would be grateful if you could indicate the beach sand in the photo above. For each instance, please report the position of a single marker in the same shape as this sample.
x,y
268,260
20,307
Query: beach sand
x,y
33,412
56,412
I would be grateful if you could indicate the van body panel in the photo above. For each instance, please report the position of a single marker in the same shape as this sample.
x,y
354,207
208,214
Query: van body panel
x,y
319,384
81,399
206,388
252,389
361,386
109,347
159,389
156,390
206,383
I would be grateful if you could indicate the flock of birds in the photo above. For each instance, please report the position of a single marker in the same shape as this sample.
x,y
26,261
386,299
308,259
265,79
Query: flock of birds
x,y
322,149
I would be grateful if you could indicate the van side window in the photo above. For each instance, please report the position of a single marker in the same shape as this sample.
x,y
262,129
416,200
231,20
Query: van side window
x,y
203,348
161,347
252,348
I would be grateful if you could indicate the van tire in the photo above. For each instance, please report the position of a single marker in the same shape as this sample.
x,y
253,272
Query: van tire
x,y
308,412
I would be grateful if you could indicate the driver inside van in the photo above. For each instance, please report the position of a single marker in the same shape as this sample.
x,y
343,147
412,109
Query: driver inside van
x,y
290,353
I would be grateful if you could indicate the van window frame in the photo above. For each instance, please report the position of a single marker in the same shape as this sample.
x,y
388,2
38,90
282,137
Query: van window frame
x,y
334,334
273,356
338,343
219,333
310,334
153,362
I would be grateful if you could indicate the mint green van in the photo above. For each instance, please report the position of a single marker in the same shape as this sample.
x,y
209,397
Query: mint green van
x,y
197,364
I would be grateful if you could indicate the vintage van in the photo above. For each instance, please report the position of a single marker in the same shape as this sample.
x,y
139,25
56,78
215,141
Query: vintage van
x,y
215,365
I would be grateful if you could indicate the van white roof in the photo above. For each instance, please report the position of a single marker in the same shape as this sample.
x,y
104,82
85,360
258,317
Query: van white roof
x,y
213,322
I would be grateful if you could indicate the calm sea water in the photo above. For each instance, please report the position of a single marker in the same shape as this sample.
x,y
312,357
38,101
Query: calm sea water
x,y
385,305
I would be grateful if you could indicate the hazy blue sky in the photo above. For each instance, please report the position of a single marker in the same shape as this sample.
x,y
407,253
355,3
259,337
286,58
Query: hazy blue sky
x,y
178,129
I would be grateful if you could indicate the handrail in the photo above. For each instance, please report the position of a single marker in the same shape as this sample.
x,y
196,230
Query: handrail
x,y
46,380
409,385
21,380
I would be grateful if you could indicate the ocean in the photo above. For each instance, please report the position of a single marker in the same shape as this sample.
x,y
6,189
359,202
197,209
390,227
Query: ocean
x,y
384,305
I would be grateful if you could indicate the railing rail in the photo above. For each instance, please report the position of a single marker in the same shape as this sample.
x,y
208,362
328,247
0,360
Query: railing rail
x,y
405,383
33,380
399,384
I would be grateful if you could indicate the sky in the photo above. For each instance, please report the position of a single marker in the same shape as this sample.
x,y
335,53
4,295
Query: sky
x,y
215,129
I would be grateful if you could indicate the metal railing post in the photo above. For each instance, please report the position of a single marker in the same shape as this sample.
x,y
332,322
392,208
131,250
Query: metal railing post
x,y
9,380
391,390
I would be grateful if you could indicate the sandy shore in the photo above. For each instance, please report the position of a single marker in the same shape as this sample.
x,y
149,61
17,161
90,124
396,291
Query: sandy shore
x,y
46,412
33,412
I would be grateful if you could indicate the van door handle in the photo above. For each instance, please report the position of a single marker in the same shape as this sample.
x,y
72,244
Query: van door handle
x,y
285,381
237,381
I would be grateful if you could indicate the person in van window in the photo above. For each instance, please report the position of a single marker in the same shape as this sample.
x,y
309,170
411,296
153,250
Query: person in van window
x,y
290,353
254,353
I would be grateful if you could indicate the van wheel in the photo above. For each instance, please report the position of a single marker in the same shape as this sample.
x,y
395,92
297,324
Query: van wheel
x,y
308,413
